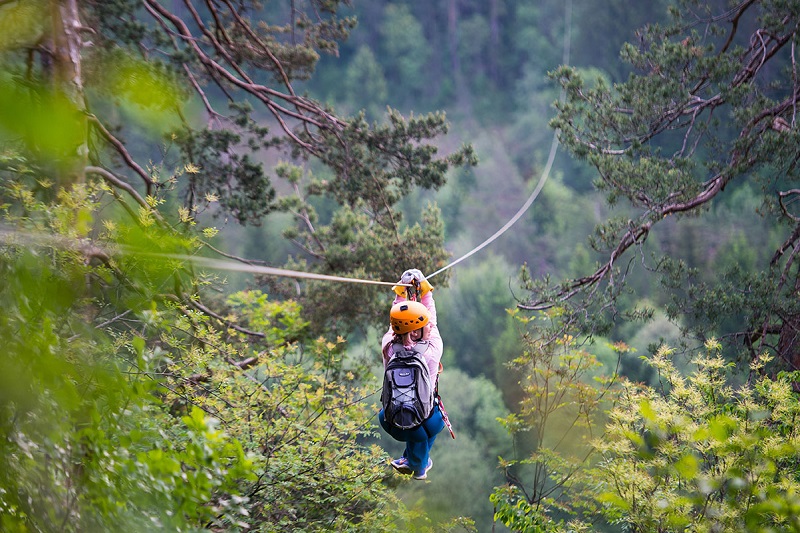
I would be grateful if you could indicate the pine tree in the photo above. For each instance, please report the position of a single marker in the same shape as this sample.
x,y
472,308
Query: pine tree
x,y
709,111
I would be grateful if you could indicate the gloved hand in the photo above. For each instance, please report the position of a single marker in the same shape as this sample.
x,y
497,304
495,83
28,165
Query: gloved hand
x,y
409,276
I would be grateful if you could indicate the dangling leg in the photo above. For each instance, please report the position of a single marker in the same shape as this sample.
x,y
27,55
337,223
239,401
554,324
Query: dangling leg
x,y
400,464
432,427
417,450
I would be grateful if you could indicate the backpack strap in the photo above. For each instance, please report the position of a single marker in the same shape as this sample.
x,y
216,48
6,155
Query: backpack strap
x,y
398,347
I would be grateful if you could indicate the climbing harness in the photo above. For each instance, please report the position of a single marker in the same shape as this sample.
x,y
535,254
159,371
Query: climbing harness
x,y
442,410
412,291
444,416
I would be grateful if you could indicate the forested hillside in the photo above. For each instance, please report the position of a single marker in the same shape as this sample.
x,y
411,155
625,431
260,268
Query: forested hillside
x,y
622,358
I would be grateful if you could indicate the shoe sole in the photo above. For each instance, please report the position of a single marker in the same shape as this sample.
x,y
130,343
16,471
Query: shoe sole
x,y
402,469
424,475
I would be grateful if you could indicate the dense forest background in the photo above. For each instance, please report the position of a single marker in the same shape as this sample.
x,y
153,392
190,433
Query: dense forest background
x,y
623,357
485,64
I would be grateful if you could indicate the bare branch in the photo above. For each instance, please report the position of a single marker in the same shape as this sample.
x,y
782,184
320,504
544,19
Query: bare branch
x,y
246,27
122,151
308,113
120,184
735,24
303,215
244,364
200,307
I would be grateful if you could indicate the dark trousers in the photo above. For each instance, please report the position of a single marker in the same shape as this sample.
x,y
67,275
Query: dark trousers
x,y
419,440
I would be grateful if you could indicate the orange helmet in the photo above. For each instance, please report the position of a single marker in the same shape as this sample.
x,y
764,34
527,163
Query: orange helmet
x,y
408,316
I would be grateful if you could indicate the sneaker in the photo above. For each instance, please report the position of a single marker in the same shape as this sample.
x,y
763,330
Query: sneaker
x,y
401,465
424,473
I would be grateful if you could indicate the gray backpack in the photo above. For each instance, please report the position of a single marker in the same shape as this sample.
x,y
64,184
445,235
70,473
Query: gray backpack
x,y
408,395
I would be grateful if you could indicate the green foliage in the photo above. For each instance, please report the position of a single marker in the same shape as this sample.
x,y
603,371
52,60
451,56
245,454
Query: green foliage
x,y
701,454
134,397
84,443
561,411
575,215
217,83
473,313
296,407
22,23
39,118
692,453
280,322
180,410
218,169
600,32
366,237
126,406
513,510
145,91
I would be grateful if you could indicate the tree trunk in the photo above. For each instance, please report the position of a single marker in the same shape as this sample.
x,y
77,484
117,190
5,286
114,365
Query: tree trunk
x,y
67,82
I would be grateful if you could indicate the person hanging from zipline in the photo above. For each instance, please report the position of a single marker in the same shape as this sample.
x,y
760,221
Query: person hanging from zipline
x,y
412,350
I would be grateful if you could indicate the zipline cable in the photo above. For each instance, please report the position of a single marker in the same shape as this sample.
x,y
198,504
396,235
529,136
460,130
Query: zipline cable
x,y
520,212
545,173
219,264
11,236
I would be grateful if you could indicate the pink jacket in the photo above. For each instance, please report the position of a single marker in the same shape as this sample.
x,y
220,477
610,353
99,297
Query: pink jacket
x,y
433,353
